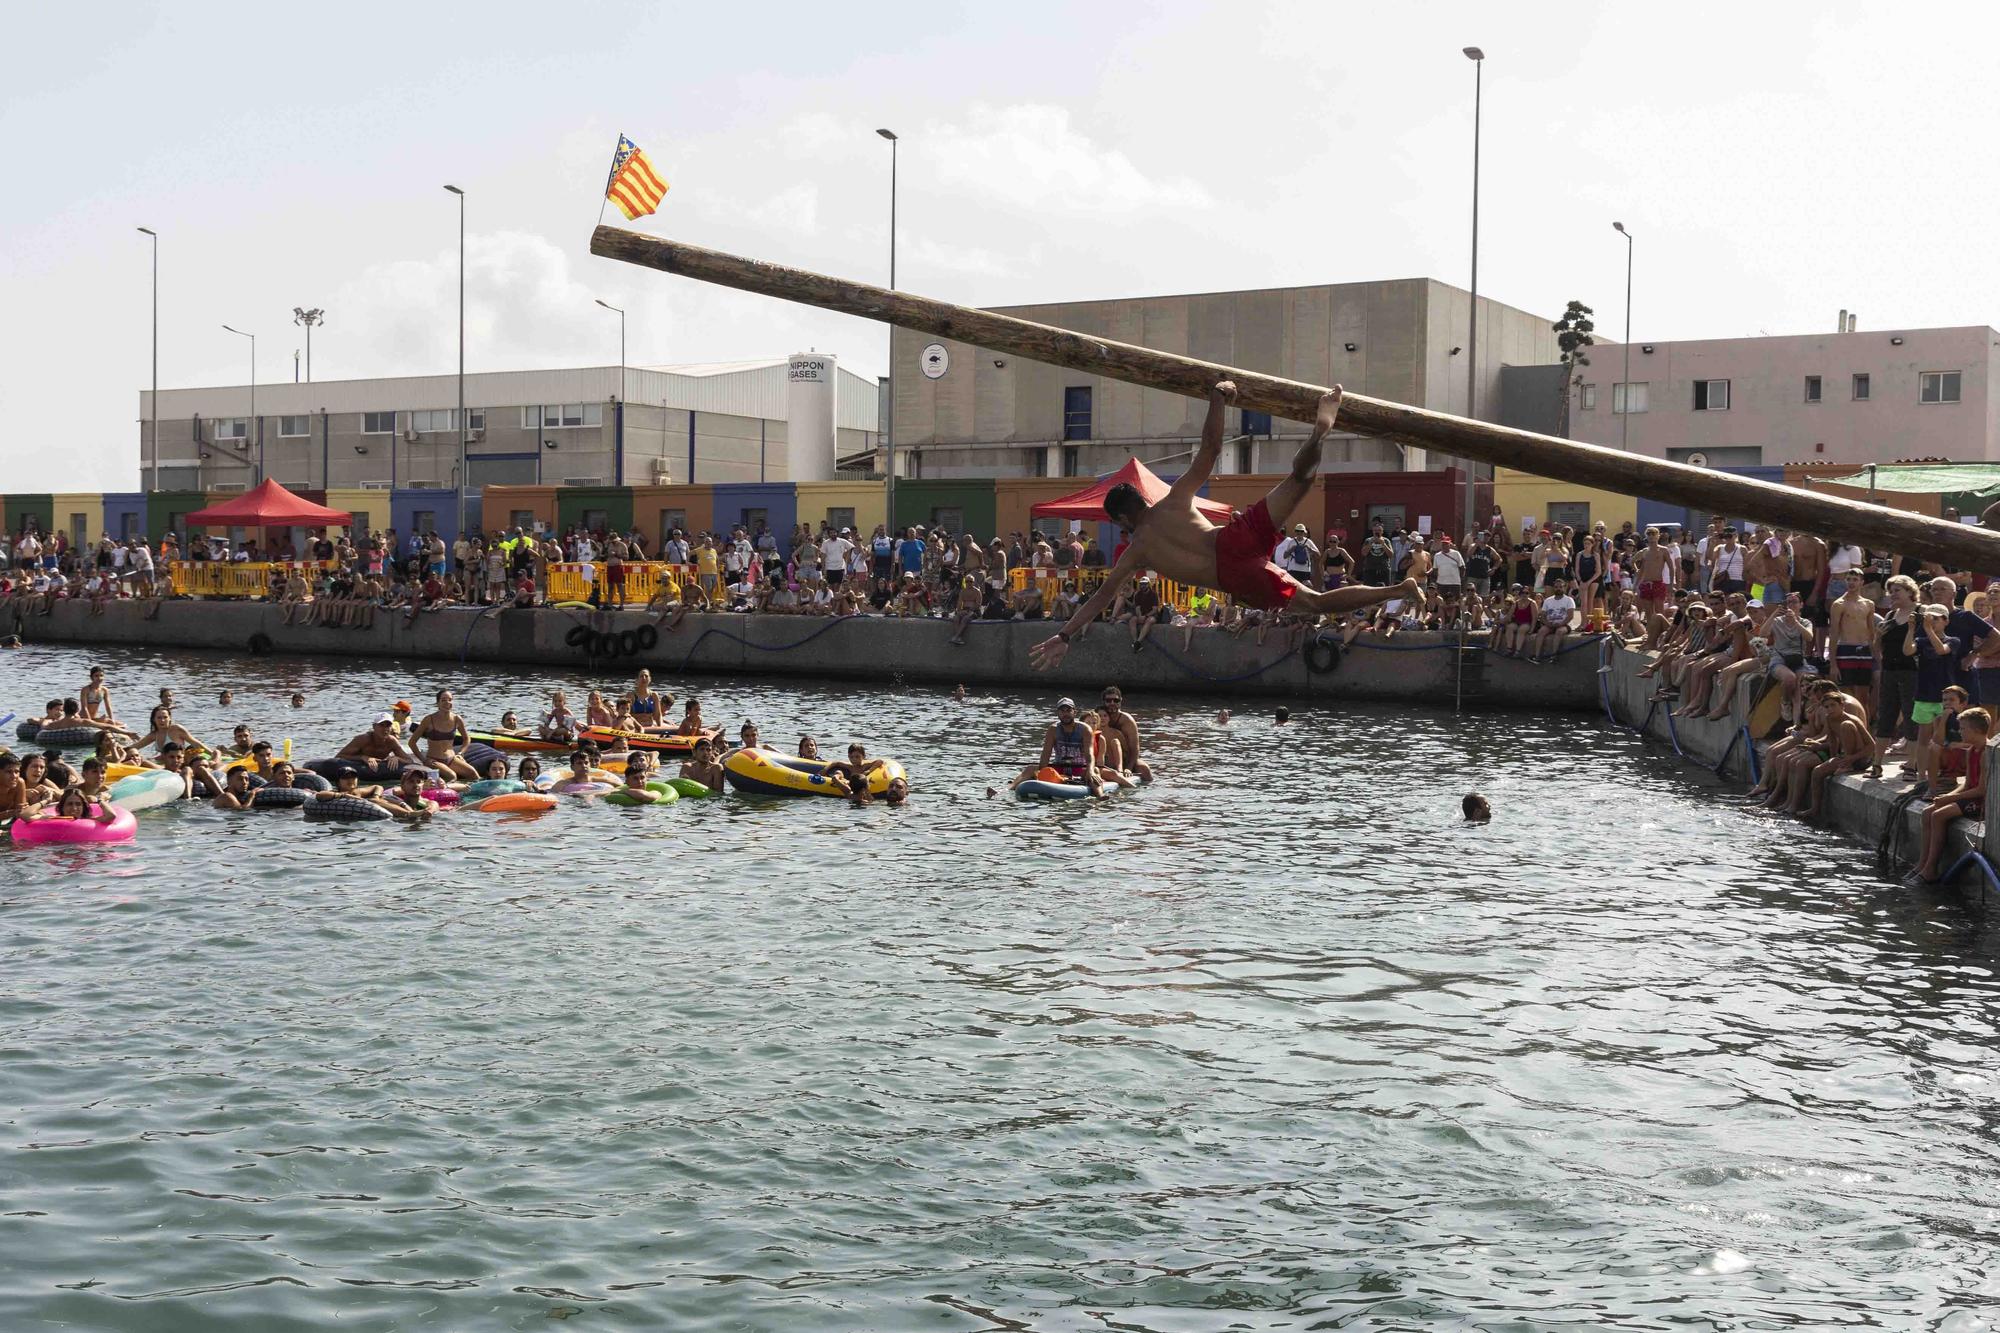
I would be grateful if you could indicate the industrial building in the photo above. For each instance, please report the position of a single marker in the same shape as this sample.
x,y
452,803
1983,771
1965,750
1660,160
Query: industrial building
x,y
964,411
743,421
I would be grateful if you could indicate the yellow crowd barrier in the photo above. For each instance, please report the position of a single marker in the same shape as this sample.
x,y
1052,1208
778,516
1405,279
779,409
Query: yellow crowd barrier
x,y
227,578
1185,598
571,581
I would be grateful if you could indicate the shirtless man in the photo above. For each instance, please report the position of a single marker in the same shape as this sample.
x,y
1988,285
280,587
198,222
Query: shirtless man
x,y
1851,629
700,765
1809,557
1173,538
1127,729
377,750
1656,584
1765,565
1067,747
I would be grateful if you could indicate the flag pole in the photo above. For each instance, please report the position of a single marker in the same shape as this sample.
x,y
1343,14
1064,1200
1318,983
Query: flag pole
x,y
609,176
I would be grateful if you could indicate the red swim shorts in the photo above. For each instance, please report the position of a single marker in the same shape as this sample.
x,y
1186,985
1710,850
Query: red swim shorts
x,y
1243,565
1653,591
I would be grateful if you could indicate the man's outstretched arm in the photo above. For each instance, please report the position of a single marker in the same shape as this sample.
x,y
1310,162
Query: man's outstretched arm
x,y
1050,651
1202,466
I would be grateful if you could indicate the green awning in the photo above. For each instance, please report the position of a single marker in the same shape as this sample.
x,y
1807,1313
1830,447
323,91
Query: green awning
x,y
1981,479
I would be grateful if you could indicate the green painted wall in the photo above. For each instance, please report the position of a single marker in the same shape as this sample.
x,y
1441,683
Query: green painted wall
x,y
919,501
615,501
22,508
161,506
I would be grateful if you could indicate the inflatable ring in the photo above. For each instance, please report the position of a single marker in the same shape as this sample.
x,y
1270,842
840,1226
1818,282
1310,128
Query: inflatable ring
x,y
144,791
260,643
1322,655
65,738
279,798
623,796
647,637
768,773
582,788
578,636
444,798
689,787
485,787
1040,789
628,642
311,782
517,802
343,810
572,606
48,830
26,731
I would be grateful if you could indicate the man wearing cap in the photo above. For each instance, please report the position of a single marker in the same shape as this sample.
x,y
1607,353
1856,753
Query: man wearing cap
x,y
1449,565
1069,748
376,750
1301,559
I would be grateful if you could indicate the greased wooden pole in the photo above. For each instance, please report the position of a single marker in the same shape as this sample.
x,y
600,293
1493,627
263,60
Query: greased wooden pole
x,y
1954,545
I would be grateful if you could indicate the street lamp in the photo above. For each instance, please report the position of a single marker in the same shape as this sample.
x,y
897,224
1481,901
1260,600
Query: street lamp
x,y
1478,59
458,479
618,459
155,402
889,426
300,315
1625,418
255,426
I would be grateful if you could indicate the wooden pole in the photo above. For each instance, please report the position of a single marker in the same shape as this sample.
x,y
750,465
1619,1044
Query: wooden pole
x,y
1954,545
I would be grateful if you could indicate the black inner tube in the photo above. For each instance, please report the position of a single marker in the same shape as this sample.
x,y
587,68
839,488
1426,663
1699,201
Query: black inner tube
x,y
1322,655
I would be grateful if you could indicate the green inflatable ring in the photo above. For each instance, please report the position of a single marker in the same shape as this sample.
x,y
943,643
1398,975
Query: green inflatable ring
x,y
667,795
689,787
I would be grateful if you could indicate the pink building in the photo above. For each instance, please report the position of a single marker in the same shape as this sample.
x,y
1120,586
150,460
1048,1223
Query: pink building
x,y
1870,396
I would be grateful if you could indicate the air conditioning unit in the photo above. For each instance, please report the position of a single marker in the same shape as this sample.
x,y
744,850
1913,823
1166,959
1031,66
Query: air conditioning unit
x,y
474,437
409,437
663,472
372,486
583,481
242,445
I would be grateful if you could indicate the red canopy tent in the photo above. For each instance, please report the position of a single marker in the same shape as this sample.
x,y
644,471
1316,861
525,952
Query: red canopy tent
x,y
1088,503
268,505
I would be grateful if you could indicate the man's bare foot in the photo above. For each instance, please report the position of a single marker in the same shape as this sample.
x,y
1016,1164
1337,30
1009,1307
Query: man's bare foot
x,y
1408,590
1329,409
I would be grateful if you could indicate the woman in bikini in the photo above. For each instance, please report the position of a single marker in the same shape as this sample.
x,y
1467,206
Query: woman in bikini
x,y
648,709
441,734
162,728
95,700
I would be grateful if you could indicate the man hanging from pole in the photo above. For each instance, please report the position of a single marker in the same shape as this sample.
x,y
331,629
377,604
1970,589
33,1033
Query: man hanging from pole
x,y
1173,538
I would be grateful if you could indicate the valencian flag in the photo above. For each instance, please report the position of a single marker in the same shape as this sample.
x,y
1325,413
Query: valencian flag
x,y
634,186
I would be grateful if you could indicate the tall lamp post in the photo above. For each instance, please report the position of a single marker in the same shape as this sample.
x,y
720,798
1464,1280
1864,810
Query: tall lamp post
x,y
458,478
1625,417
155,401
618,463
300,315
889,426
256,427
1478,59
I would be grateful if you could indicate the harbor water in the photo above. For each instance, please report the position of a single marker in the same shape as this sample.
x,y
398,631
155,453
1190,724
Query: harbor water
x,y
1278,1042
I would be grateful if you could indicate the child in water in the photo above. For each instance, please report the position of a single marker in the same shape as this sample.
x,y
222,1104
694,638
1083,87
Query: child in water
x,y
1477,811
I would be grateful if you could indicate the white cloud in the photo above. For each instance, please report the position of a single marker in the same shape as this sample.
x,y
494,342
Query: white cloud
x,y
1032,157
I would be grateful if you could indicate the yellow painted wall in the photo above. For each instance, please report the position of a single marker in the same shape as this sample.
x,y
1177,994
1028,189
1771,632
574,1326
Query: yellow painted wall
x,y
375,504
66,505
1521,495
865,498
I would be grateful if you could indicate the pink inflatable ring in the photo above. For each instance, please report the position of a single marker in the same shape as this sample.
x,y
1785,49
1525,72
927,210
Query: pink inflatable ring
x,y
51,830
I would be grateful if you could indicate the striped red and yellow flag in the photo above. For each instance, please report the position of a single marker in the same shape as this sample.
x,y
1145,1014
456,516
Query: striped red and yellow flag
x,y
635,187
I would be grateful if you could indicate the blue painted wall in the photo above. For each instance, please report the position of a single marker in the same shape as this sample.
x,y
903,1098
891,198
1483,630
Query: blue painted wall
x,y
117,507
404,502
778,498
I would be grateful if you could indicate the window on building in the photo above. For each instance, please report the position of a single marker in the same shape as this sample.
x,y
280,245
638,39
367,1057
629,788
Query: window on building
x,y
1938,386
424,521
1076,413
752,518
1587,398
1246,453
442,421
1711,395
949,519
596,520
524,519
1860,388
1635,393
229,428
378,423
475,418
1812,388
1256,423
1568,514
840,518
1038,462
292,427
670,521
1072,458
573,414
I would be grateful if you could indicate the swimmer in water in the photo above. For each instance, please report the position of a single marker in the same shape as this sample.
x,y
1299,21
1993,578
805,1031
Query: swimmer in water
x,y
1283,717
226,698
636,773
701,767
808,748
298,701
442,734
1222,718
1477,811
958,694
407,801
235,793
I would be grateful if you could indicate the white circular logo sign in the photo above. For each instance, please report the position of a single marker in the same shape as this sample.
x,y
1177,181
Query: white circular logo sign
x,y
1697,460
935,361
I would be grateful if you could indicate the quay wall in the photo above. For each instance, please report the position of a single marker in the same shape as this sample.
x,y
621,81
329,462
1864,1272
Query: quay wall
x,y
1408,667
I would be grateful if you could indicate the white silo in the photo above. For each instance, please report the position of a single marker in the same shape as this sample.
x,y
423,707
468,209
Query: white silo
x,y
809,408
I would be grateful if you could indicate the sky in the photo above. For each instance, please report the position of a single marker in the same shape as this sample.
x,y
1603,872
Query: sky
x,y
1776,163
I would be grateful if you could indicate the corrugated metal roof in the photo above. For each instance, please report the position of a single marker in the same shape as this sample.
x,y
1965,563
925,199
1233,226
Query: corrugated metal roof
x,y
738,388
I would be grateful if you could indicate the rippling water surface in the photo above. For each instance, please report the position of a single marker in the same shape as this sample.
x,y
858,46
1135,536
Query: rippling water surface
x,y
1276,1043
